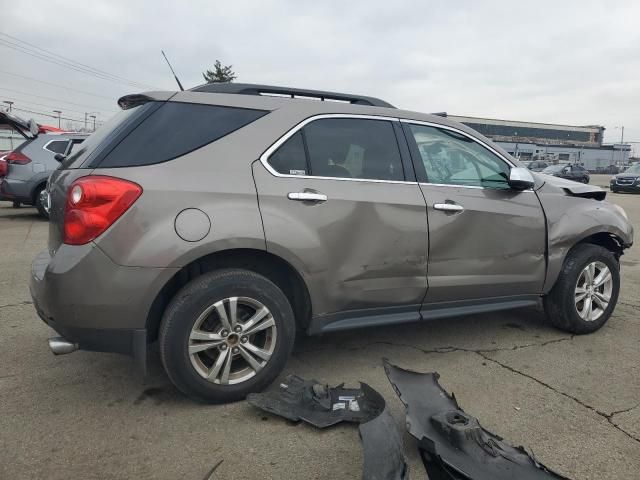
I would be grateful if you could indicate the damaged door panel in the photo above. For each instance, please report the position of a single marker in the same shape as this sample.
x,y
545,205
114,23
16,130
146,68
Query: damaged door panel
x,y
452,444
323,406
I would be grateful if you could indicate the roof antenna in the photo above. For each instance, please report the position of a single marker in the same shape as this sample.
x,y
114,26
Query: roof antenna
x,y
174,73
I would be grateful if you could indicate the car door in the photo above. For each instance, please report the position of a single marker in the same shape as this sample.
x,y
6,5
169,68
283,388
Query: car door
x,y
486,240
338,202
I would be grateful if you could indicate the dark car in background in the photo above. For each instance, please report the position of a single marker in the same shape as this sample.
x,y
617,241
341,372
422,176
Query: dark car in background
x,y
572,171
536,165
627,181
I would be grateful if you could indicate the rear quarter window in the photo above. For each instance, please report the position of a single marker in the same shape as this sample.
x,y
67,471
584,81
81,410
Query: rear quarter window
x,y
176,129
57,146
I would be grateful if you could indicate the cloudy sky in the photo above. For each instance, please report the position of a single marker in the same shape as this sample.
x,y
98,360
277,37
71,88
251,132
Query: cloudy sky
x,y
573,62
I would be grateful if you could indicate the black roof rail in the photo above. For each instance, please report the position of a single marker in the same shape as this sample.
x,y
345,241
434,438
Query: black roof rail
x,y
256,89
440,114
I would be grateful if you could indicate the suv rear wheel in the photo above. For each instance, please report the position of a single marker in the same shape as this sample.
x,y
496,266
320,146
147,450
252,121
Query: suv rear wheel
x,y
226,334
586,291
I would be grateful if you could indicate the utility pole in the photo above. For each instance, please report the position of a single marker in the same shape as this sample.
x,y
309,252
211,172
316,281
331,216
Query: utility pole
x,y
622,146
94,122
85,120
10,103
59,112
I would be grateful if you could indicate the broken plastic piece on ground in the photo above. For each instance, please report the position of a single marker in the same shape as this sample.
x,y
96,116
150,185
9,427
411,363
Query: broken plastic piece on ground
x,y
320,405
452,444
382,449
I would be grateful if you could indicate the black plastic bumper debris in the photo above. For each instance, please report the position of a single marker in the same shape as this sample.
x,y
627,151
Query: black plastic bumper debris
x,y
452,444
322,406
382,449
317,404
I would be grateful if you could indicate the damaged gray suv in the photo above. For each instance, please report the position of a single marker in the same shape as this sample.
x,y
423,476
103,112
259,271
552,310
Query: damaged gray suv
x,y
223,221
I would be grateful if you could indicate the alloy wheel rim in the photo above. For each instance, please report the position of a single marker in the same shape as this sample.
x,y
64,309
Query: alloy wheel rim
x,y
44,200
232,340
593,291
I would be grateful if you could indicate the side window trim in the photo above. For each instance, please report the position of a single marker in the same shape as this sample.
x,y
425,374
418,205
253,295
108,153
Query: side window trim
x,y
417,159
264,158
405,153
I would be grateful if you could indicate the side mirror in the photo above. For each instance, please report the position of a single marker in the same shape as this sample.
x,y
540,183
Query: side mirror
x,y
59,157
520,179
33,128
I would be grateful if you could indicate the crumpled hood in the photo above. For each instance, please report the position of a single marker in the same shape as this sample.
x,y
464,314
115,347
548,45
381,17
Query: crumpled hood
x,y
571,188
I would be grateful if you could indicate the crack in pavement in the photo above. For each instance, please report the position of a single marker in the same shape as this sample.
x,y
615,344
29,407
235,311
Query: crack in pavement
x,y
625,410
607,416
26,302
484,353
632,305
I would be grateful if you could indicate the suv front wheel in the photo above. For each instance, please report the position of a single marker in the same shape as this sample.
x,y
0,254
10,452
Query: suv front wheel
x,y
226,334
586,291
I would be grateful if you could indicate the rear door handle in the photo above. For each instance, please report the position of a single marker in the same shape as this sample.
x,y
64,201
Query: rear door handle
x,y
448,207
307,197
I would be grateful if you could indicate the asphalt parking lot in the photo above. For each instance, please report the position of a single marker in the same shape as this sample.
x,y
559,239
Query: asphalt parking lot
x,y
574,401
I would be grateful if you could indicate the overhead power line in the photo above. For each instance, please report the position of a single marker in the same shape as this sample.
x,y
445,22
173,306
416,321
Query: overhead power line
x,y
51,57
56,85
52,116
52,107
57,100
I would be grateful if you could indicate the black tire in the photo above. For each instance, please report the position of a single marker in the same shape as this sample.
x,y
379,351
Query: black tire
x,y
614,190
16,204
560,305
191,301
37,202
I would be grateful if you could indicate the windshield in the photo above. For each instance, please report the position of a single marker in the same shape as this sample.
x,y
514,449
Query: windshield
x,y
633,169
553,169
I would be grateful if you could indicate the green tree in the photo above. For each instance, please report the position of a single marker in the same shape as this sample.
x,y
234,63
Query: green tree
x,y
220,73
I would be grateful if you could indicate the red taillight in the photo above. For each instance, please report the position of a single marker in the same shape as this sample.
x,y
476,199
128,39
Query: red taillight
x,y
18,158
3,167
93,204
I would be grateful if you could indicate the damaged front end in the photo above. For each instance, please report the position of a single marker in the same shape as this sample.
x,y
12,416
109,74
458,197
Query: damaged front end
x,y
452,444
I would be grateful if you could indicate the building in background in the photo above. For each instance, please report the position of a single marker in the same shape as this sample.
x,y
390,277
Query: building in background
x,y
552,143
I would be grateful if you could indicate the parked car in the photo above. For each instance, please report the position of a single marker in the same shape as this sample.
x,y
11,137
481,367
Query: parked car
x,y
574,172
627,181
536,165
23,177
222,222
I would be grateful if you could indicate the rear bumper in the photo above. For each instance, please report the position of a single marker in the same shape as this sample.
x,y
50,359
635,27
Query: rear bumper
x,y
91,301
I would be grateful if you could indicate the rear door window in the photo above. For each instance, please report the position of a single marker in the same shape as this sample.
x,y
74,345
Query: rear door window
x,y
353,148
176,129
342,148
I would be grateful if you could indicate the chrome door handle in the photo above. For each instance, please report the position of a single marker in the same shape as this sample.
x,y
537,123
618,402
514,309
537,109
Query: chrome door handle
x,y
307,197
448,207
